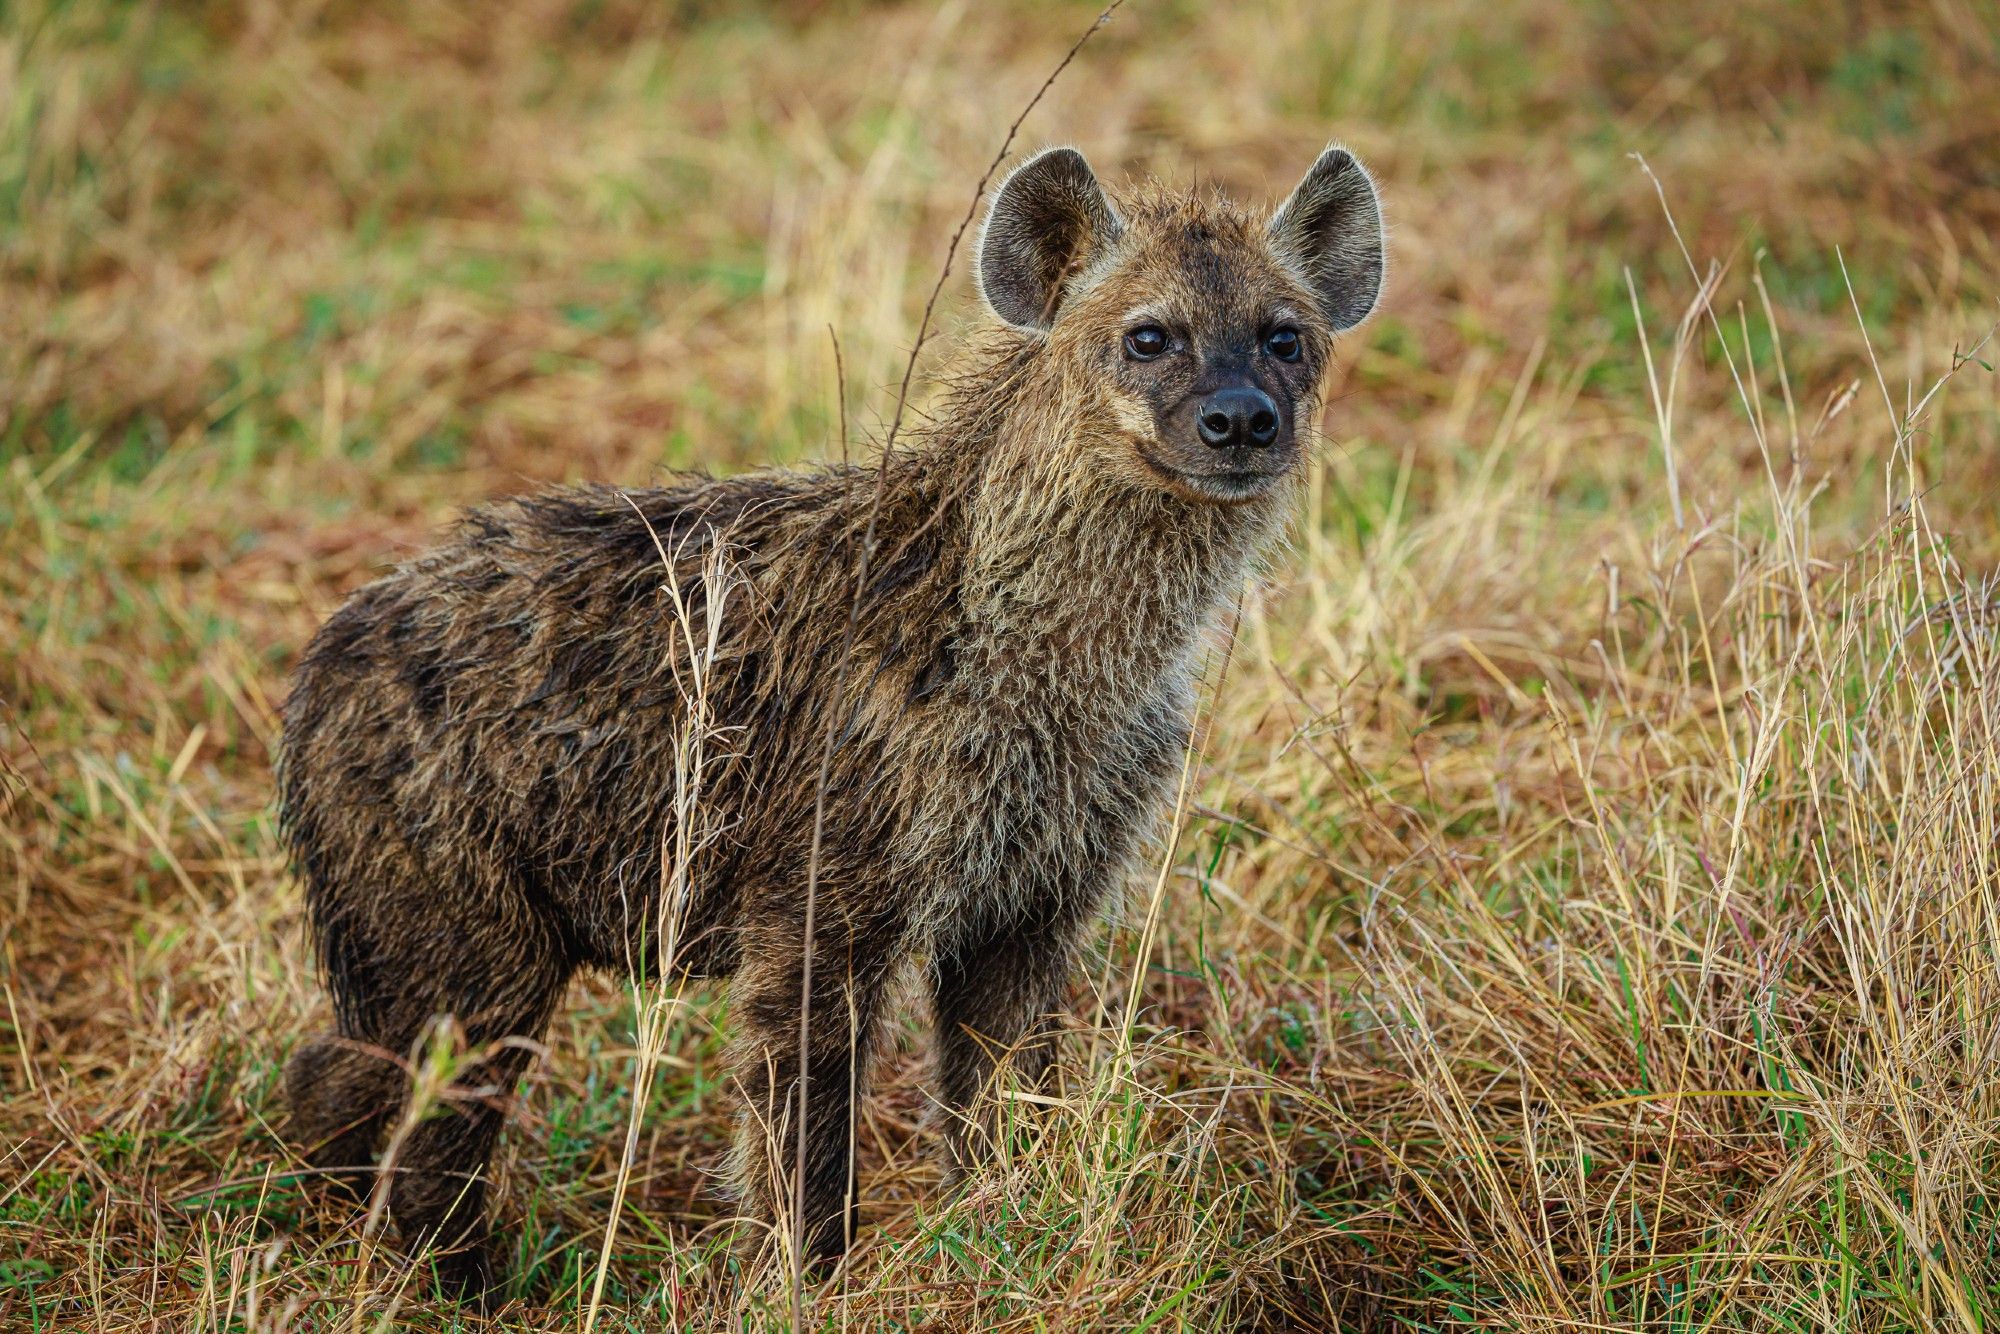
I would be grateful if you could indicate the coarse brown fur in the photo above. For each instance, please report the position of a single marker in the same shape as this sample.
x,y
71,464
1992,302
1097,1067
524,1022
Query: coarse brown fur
x,y
479,781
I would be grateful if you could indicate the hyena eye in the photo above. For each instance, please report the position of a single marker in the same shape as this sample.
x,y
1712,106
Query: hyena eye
x,y
1283,344
1146,342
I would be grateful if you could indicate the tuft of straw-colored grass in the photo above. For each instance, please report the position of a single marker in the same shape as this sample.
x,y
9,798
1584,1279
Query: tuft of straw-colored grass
x,y
1584,908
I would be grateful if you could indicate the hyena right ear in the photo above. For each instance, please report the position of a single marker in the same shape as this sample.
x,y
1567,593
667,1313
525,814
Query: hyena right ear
x,y
1331,228
1048,219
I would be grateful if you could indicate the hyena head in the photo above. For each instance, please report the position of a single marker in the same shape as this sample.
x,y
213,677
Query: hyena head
x,y
1190,336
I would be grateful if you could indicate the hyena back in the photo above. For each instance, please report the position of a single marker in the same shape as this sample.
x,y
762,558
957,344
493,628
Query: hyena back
x,y
479,785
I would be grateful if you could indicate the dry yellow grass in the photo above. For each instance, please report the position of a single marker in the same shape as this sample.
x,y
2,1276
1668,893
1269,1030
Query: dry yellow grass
x,y
1588,912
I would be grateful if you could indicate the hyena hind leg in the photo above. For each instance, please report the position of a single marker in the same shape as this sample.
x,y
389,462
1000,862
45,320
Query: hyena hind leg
x,y
438,1191
351,1095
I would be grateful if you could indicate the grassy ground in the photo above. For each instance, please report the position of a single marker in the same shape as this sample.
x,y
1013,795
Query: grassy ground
x,y
1588,911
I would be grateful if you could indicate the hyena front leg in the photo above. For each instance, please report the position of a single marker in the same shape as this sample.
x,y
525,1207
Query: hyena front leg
x,y
997,995
852,967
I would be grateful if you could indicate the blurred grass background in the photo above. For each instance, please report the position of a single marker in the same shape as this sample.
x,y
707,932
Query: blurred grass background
x,y
1589,916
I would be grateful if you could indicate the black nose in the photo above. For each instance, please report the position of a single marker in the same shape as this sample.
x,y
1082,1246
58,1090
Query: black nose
x,y
1238,416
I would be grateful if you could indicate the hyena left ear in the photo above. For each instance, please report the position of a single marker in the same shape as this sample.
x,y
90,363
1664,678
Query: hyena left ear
x,y
1048,219
1331,228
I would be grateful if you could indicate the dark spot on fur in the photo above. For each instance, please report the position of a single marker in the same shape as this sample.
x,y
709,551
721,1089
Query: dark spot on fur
x,y
341,641
426,677
908,567
936,674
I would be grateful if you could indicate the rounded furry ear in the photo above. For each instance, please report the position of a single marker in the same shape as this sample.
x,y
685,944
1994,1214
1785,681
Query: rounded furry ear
x,y
1048,219
1331,228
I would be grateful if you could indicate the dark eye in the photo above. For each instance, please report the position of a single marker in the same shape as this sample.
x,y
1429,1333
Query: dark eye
x,y
1283,344
1146,342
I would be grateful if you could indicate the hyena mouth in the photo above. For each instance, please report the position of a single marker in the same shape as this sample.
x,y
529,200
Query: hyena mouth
x,y
1222,484
1232,485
